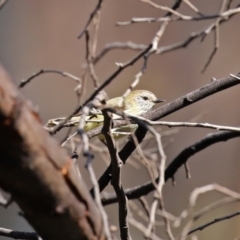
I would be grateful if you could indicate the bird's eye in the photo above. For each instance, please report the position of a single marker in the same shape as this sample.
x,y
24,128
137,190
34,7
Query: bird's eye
x,y
145,98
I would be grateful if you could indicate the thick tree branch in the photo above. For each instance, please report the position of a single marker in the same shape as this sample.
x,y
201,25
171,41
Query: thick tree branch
x,y
40,176
18,235
116,179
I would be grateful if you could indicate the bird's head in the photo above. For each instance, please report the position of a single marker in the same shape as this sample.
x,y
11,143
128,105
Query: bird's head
x,y
140,101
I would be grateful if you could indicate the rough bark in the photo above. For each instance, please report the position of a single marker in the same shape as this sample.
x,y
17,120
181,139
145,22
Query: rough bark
x,y
39,174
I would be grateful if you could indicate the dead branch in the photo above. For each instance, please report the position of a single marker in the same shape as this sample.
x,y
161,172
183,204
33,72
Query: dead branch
x,y
92,15
216,220
42,71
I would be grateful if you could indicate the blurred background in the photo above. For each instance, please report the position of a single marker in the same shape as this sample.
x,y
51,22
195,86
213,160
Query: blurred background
x,y
43,34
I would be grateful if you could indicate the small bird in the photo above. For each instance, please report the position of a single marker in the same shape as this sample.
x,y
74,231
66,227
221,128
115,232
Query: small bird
x,y
136,103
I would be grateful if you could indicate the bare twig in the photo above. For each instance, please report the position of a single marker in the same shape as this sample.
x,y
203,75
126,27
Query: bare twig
x,y
190,5
118,45
201,190
157,38
145,162
169,19
139,212
80,89
213,206
167,9
89,61
143,20
91,50
152,219
68,138
175,6
192,202
98,201
186,124
229,4
142,228
216,36
134,83
92,15
145,205
180,17
216,46
96,23
64,74
170,217
172,124
216,220
187,170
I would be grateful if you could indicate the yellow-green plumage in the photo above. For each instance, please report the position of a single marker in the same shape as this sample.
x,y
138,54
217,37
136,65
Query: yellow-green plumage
x,y
136,103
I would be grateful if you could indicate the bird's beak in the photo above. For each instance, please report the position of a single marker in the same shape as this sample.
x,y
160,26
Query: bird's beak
x,y
159,100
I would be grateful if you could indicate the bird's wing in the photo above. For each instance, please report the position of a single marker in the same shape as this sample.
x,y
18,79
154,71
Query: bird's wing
x,y
95,115
114,102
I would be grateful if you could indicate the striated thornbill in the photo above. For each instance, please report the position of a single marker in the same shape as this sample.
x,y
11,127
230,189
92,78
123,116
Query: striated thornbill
x,y
136,103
